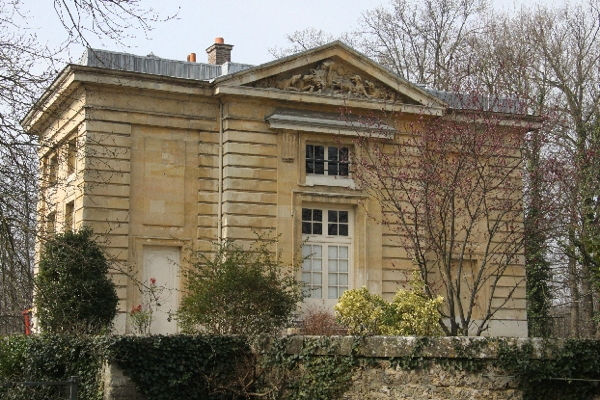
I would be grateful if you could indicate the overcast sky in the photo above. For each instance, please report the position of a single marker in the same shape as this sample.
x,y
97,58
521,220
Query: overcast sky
x,y
252,26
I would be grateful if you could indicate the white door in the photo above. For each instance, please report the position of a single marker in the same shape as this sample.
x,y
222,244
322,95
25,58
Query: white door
x,y
161,266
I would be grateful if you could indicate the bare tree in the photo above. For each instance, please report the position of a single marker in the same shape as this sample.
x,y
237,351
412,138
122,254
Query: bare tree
x,y
27,67
451,190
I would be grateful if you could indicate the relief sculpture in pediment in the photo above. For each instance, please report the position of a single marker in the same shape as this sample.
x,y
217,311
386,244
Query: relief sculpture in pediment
x,y
330,78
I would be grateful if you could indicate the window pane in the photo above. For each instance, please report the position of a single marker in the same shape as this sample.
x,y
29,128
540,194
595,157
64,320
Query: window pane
x,y
333,279
332,168
333,293
306,214
344,154
306,277
316,264
310,167
333,252
343,279
319,152
343,170
306,227
317,250
317,279
343,251
317,228
343,230
332,216
310,151
306,250
317,215
319,168
332,153
343,265
306,264
332,229
317,293
343,215
333,266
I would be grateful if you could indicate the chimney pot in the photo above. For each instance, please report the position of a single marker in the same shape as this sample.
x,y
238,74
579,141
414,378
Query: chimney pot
x,y
219,40
192,57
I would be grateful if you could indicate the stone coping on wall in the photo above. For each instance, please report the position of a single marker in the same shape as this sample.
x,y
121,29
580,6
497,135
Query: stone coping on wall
x,y
427,347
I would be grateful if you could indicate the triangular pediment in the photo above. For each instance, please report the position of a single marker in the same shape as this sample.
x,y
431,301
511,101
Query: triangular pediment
x,y
333,70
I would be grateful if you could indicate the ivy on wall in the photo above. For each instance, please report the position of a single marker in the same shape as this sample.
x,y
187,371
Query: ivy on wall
x,y
232,367
50,358
572,372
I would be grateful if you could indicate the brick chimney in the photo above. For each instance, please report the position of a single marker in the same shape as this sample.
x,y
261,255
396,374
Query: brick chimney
x,y
219,53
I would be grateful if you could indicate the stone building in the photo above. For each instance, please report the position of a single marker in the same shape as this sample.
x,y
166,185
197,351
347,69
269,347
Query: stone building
x,y
163,156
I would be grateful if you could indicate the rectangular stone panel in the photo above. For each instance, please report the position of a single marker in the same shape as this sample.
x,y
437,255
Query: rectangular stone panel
x,y
164,182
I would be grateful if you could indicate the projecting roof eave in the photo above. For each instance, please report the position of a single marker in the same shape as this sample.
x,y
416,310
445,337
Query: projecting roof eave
x,y
526,122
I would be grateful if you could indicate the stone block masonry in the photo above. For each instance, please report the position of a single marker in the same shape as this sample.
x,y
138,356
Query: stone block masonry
x,y
403,367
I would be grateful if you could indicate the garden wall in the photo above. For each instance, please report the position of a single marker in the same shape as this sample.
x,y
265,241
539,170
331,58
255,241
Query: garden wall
x,y
414,368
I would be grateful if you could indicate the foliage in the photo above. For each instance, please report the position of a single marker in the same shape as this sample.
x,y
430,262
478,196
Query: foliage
x,y
571,373
51,358
74,293
180,366
409,314
361,311
239,291
24,78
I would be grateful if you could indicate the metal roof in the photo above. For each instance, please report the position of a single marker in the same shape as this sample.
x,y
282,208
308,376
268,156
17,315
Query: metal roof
x,y
152,64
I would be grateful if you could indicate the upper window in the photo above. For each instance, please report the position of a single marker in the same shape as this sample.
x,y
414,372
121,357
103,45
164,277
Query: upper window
x,y
327,160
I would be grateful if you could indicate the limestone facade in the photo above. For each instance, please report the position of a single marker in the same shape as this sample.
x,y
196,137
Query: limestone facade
x,y
161,165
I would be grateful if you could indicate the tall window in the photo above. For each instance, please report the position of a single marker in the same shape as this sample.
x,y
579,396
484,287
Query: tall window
x,y
71,156
326,266
70,216
52,169
327,160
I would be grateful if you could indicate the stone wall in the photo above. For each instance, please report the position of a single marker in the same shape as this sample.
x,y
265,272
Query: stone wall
x,y
386,377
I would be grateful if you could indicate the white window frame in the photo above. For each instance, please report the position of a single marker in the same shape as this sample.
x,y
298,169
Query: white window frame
x,y
328,243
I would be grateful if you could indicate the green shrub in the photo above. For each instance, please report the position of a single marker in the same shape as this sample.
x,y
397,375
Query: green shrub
x,y
50,358
239,291
409,314
185,367
74,293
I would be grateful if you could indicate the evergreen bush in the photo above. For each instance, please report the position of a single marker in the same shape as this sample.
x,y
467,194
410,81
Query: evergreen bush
x,y
74,293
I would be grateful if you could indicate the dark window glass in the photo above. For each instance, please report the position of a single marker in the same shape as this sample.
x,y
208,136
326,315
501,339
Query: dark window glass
x,y
306,227
315,159
332,216
317,215
332,229
306,214
343,230
318,228
343,217
344,160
